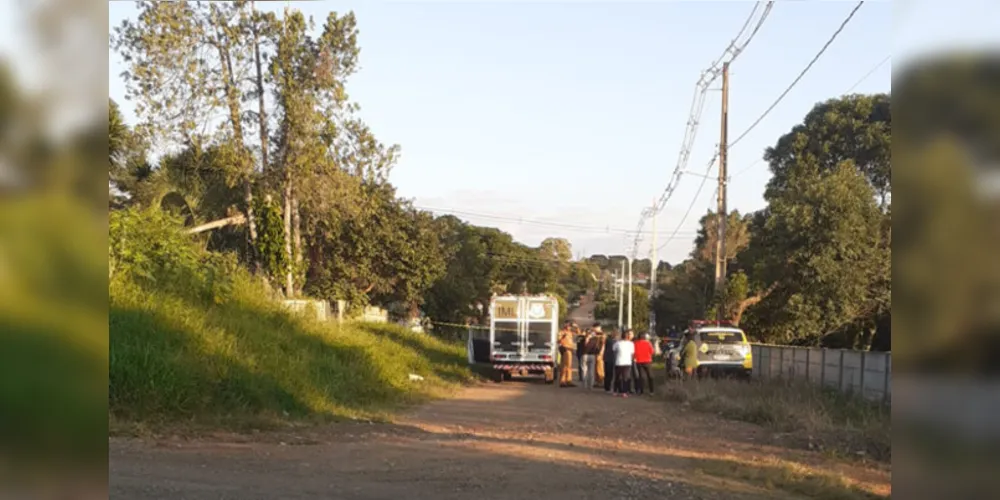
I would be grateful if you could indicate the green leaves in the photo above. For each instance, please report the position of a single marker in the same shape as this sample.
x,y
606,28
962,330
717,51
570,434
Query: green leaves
x,y
821,246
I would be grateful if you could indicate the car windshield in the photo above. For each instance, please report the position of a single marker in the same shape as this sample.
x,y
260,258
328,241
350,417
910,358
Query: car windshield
x,y
721,337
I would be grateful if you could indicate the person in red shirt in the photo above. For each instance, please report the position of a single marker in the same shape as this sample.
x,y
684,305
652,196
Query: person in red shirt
x,y
643,361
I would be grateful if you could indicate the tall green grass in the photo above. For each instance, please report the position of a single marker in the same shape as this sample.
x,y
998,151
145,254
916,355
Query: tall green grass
x,y
209,346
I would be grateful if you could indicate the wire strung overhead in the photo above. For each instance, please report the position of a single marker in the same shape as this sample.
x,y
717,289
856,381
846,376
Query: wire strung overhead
x,y
766,112
518,220
733,50
801,74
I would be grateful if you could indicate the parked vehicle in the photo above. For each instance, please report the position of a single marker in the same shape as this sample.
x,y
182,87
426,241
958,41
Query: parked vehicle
x,y
723,348
521,339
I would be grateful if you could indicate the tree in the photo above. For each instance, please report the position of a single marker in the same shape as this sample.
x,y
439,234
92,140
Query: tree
x,y
820,246
386,251
560,252
127,153
186,63
855,127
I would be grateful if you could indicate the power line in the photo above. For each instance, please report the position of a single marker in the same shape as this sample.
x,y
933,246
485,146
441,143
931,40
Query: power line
x,y
746,169
518,220
691,205
869,73
802,74
848,91
707,77
766,112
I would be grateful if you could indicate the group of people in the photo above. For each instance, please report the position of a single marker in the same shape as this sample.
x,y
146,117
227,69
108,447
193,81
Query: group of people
x,y
616,360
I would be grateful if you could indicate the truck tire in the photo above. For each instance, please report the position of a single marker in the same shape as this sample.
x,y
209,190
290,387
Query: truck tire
x,y
498,376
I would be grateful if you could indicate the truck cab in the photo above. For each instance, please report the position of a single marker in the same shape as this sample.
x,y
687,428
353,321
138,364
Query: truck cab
x,y
521,339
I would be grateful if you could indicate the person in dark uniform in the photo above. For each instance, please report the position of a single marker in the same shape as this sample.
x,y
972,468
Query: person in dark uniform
x,y
609,361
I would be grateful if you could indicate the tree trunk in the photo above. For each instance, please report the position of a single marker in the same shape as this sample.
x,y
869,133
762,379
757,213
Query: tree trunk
x,y
233,102
296,233
261,108
882,339
749,301
287,215
228,221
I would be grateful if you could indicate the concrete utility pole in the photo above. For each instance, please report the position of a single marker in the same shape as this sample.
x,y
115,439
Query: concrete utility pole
x,y
621,296
721,216
630,292
652,275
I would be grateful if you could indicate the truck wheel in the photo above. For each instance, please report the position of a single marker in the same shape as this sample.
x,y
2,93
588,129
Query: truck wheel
x,y
508,376
498,376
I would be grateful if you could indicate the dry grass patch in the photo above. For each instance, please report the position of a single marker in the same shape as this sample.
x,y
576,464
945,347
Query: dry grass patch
x,y
819,419
793,478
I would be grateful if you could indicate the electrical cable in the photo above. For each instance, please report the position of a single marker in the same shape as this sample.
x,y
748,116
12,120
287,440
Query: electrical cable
x,y
798,78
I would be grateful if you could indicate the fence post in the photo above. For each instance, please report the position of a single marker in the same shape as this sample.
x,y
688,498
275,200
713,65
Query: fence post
x,y
887,364
864,366
822,368
781,362
809,364
770,361
840,382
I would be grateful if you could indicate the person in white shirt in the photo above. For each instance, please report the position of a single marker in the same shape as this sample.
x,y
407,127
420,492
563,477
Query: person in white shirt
x,y
624,356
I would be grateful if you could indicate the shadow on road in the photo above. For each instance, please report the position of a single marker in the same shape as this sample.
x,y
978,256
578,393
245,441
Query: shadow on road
x,y
494,441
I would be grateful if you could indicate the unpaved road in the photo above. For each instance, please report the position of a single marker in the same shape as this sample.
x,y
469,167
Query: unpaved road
x,y
511,441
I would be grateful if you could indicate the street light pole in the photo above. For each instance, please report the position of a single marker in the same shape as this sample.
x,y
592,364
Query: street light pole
x,y
621,295
630,292
652,277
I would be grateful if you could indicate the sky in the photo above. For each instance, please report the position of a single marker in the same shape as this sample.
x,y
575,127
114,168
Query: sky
x,y
565,119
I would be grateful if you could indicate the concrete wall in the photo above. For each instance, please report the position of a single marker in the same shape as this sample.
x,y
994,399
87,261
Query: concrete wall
x,y
320,307
858,372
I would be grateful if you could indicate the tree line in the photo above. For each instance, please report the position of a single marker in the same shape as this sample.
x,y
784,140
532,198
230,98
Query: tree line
x,y
244,125
812,267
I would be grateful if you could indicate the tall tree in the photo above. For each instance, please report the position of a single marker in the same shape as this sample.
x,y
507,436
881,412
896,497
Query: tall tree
x,y
186,63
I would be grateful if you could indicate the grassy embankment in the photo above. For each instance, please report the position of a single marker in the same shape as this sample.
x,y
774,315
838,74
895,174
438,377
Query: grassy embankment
x,y
196,342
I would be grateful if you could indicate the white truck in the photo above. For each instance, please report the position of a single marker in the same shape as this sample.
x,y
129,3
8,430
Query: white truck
x,y
521,339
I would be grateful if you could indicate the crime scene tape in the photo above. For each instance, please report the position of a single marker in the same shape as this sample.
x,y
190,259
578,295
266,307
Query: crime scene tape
x,y
471,327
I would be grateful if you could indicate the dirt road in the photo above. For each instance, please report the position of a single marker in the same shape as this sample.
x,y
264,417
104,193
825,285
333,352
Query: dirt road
x,y
584,315
516,440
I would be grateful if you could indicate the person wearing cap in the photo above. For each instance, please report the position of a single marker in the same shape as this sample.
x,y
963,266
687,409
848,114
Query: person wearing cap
x,y
567,344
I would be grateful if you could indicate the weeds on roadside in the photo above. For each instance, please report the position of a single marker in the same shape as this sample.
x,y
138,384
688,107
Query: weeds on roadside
x,y
828,420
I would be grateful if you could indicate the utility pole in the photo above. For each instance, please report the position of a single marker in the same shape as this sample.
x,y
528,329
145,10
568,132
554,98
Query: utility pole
x,y
721,216
621,296
652,276
630,292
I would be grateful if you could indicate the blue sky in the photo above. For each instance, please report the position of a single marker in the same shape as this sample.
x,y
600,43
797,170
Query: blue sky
x,y
573,112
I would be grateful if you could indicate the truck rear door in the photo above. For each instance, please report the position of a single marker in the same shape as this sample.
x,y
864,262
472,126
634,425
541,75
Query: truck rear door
x,y
539,329
506,327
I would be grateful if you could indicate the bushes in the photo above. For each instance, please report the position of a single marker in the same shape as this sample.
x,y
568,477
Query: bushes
x,y
195,338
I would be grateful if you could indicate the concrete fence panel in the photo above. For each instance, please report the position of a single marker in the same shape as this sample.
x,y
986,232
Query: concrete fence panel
x,y
866,374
